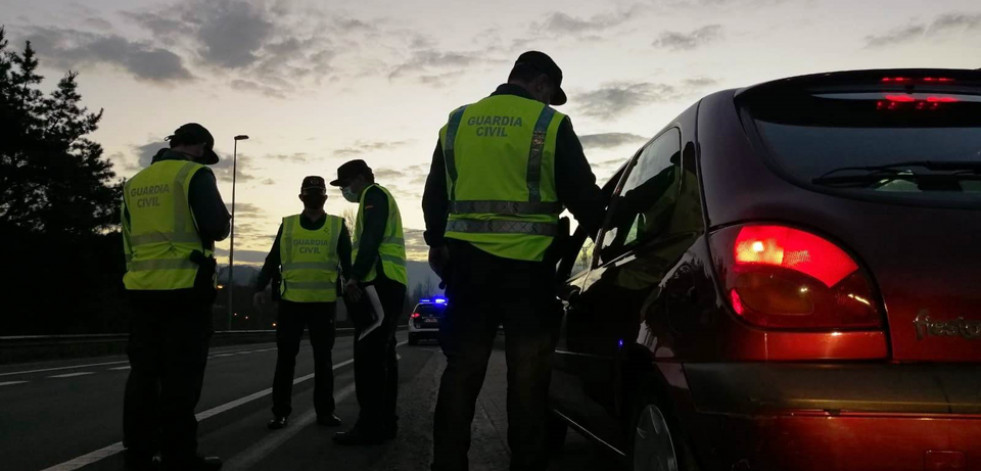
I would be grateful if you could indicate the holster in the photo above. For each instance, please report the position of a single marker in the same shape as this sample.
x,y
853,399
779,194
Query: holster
x,y
205,280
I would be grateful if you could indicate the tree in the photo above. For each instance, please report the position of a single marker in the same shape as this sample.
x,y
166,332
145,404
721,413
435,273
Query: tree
x,y
58,206
52,178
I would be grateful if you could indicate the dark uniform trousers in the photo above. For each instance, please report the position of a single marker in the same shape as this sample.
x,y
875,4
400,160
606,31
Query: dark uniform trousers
x,y
376,373
485,291
168,350
318,318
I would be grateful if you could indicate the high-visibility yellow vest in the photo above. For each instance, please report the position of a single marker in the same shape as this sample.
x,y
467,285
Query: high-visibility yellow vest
x,y
500,171
309,260
392,248
161,233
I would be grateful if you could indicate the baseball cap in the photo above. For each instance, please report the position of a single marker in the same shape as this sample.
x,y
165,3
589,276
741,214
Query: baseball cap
x,y
349,170
313,182
544,64
194,133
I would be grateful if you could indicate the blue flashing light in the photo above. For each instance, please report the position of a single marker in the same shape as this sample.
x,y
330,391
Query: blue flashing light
x,y
424,301
440,300
620,343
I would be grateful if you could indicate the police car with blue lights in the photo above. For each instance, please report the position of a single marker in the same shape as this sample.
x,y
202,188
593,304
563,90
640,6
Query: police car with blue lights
x,y
424,320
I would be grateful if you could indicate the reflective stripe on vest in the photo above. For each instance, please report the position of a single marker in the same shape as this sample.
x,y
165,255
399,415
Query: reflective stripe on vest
x,y
309,269
160,234
500,170
391,251
475,226
504,207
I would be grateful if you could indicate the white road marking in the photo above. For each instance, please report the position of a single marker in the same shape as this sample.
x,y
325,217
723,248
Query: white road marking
x,y
120,368
258,451
103,453
222,355
64,368
10,383
72,375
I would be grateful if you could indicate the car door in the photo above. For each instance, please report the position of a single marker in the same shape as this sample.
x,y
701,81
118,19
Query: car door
x,y
633,252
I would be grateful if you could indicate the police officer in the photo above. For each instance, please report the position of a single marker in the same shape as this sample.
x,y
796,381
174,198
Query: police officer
x,y
503,169
375,293
306,254
172,215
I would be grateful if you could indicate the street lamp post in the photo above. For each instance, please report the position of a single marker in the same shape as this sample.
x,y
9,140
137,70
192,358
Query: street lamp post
x,y
231,246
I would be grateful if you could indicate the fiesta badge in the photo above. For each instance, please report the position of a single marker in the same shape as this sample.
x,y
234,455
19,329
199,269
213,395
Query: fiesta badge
x,y
959,327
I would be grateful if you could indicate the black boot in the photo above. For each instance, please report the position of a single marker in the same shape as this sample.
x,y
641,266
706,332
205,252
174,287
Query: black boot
x,y
277,423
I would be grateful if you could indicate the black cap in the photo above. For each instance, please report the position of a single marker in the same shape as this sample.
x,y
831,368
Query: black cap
x,y
349,170
194,133
544,64
313,182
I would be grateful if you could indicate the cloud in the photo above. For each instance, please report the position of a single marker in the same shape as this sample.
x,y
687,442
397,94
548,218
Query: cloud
x,y
686,42
618,98
951,21
223,169
946,24
72,48
563,23
230,33
610,140
699,82
905,34
245,210
250,86
366,147
433,64
280,47
297,157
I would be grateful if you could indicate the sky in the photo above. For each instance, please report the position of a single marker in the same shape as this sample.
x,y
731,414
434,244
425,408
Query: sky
x,y
317,83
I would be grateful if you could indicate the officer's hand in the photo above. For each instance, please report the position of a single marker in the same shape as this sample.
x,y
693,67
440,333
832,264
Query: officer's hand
x,y
439,257
353,291
258,300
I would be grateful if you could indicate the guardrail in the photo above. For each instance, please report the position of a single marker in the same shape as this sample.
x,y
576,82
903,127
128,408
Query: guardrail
x,y
23,348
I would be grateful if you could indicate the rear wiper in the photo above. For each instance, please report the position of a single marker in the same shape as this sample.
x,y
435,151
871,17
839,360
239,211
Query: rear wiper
x,y
959,170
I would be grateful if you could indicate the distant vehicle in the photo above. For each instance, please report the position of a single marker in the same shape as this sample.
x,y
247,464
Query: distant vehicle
x,y
424,320
788,279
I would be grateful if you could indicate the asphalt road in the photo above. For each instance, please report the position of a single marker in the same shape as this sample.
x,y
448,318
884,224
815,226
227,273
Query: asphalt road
x,y
67,415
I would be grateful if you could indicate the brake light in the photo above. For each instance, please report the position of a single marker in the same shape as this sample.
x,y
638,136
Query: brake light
x,y
780,277
416,315
912,80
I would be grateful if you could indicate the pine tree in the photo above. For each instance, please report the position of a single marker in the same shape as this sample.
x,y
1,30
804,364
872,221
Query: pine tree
x,y
52,178
58,202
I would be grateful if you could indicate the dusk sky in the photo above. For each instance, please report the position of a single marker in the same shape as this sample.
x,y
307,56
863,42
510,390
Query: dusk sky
x,y
317,83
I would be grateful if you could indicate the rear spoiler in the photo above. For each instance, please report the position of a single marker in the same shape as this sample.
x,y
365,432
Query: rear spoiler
x,y
966,81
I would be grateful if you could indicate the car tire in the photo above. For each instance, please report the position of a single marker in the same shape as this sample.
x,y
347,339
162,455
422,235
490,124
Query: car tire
x,y
555,430
413,340
657,444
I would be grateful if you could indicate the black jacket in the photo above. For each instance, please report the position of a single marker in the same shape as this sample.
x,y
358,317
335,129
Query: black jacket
x,y
574,180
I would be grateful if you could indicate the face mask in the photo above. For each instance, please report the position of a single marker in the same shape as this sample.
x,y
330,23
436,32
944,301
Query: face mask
x,y
349,195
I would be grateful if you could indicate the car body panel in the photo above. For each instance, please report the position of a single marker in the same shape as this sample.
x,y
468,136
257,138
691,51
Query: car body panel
x,y
651,325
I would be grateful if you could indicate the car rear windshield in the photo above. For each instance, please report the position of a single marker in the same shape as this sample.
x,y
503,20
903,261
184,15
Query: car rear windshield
x,y
428,309
811,135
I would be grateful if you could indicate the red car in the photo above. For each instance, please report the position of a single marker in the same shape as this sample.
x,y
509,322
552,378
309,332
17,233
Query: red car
x,y
789,278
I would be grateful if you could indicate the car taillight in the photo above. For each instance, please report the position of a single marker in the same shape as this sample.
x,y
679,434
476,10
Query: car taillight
x,y
416,315
780,277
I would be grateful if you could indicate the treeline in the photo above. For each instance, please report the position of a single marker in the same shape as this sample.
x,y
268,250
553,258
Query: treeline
x,y
59,201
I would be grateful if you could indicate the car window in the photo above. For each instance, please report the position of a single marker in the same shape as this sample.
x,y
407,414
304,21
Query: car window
x,y
863,143
428,309
643,208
